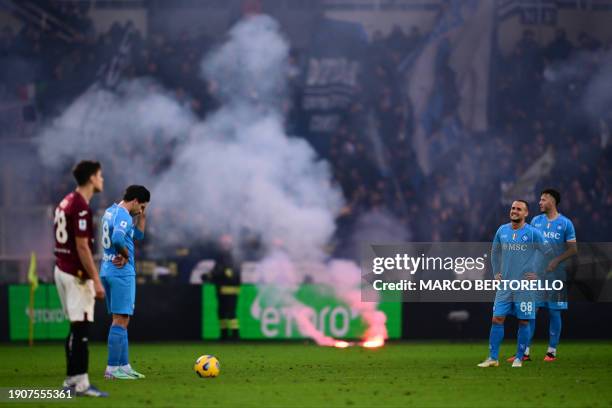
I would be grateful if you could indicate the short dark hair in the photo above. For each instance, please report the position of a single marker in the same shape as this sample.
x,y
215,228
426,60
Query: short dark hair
x,y
84,170
137,192
554,193
524,202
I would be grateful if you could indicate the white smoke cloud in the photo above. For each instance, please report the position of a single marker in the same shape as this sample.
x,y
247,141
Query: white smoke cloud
x,y
240,171
587,74
117,128
251,67
236,171
597,100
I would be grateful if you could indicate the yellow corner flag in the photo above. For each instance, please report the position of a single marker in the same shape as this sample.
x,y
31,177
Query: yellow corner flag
x,y
32,275
33,279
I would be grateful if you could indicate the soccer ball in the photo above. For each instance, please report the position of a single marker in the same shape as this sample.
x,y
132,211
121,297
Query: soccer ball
x,y
207,366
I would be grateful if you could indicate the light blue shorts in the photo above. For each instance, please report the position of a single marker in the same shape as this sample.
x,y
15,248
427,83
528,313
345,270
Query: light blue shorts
x,y
522,310
120,294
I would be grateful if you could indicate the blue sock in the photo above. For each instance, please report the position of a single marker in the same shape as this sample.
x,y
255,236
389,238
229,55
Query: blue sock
x,y
123,360
495,339
554,328
522,340
115,344
532,325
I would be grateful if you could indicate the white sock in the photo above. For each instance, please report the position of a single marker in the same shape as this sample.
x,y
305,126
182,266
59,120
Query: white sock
x,y
552,350
126,367
527,351
82,382
70,381
111,368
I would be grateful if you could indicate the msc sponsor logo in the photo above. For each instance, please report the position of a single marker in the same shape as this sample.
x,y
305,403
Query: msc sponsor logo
x,y
515,247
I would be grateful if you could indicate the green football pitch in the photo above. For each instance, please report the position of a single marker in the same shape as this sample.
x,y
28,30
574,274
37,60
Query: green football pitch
x,y
405,374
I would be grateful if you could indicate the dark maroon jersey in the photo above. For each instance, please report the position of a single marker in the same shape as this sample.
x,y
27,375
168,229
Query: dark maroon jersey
x,y
72,219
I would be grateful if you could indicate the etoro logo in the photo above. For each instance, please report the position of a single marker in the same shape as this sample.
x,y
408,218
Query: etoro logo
x,y
269,313
283,321
46,315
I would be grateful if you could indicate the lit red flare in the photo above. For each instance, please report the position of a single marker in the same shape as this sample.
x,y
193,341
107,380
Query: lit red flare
x,y
341,344
374,342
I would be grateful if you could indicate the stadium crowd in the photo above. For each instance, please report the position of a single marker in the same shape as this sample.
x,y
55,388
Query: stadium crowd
x,y
536,104
540,93
546,99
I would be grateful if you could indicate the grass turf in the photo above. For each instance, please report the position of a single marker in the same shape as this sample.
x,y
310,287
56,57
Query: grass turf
x,y
292,375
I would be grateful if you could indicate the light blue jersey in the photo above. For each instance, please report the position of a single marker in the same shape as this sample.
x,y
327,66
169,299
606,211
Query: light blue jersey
x,y
557,232
515,252
118,231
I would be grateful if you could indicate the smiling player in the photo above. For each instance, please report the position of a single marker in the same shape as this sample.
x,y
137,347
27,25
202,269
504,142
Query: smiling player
x,y
513,257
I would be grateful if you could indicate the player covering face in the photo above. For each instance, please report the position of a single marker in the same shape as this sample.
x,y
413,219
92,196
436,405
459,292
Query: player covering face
x,y
118,273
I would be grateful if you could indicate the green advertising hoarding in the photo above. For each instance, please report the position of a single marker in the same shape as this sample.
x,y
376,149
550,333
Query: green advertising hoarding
x,y
49,319
331,315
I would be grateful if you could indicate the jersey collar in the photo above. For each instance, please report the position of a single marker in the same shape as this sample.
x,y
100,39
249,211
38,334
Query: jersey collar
x,y
554,219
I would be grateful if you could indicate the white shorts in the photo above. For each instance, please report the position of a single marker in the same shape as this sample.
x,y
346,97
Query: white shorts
x,y
78,296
